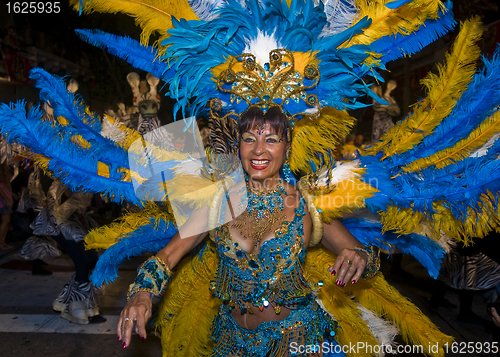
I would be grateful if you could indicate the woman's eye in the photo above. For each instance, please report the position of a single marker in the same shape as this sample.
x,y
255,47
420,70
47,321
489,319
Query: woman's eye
x,y
248,140
271,140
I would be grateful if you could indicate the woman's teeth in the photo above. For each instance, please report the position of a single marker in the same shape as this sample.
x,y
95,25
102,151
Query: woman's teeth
x,y
259,162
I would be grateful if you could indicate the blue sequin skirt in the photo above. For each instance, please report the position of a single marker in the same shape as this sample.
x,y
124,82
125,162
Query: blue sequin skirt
x,y
307,327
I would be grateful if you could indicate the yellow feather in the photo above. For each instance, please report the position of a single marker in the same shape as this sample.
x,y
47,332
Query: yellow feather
x,y
151,15
80,141
477,222
461,150
105,236
352,328
416,328
376,295
403,20
41,160
62,120
188,308
102,169
302,59
138,147
318,134
347,196
194,191
443,92
217,70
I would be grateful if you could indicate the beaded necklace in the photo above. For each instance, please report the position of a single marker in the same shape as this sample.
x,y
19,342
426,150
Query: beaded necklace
x,y
264,208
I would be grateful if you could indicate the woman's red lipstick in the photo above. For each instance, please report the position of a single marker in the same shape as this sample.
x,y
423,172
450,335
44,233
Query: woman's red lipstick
x,y
259,166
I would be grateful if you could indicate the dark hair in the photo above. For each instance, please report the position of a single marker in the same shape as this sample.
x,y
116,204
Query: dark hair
x,y
276,119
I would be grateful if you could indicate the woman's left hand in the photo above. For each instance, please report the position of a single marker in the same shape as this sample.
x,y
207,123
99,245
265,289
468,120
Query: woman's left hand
x,y
349,266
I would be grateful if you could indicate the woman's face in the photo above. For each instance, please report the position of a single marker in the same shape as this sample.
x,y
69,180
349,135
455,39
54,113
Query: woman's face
x,y
262,152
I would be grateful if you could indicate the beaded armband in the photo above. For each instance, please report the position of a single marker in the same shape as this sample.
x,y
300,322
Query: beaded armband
x,y
373,263
153,277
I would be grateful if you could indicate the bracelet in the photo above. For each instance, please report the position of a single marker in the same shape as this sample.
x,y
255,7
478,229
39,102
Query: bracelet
x,y
373,262
153,278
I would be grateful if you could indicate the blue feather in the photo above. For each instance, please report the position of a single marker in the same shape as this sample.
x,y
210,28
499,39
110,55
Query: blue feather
x,y
476,103
148,238
396,46
425,250
139,56
459,193
74,165
396,4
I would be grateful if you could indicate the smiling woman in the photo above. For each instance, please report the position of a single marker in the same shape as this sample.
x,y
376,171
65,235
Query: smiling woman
x,y
263,144
253,288
268,299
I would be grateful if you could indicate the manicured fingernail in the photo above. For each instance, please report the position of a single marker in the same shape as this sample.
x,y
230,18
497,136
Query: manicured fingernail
x,y
124,344
334,272
119,338
343,284
353,282
143,339
338,282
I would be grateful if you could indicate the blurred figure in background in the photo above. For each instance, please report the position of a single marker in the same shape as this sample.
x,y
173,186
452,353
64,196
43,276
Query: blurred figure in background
x,y
359,141
63,218
382,118
6,203
349,150
471,270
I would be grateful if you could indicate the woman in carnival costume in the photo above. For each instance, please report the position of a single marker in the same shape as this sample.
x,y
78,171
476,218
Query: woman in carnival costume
x,y
435,172
268,302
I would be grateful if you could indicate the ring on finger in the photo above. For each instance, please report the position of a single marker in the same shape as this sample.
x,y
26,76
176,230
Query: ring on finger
x,y
348,261
127,319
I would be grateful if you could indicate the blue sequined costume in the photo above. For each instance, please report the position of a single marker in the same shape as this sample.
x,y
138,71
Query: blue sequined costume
x,y
272,278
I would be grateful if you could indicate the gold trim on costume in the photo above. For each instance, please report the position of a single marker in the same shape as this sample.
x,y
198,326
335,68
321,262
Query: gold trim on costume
x,y
317,222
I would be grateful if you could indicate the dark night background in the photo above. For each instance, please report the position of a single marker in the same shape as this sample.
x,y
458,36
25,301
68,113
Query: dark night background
x,y
104,82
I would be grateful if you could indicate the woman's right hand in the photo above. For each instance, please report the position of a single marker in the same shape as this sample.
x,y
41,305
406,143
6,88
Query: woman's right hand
x,y
138,309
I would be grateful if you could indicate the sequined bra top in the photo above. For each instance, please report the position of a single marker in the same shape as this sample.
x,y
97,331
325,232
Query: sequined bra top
x,y
273,277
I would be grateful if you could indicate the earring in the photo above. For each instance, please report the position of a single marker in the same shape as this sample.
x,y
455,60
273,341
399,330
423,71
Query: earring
x,y
286,171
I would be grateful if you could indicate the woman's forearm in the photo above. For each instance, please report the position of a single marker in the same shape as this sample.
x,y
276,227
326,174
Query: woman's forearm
x,y
337,237
178,247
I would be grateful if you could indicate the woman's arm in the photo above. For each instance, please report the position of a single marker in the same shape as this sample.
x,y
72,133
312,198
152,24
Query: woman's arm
x,y
139,307
350,264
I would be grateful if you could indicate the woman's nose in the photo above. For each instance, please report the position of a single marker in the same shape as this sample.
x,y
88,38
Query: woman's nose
x,y
259,147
